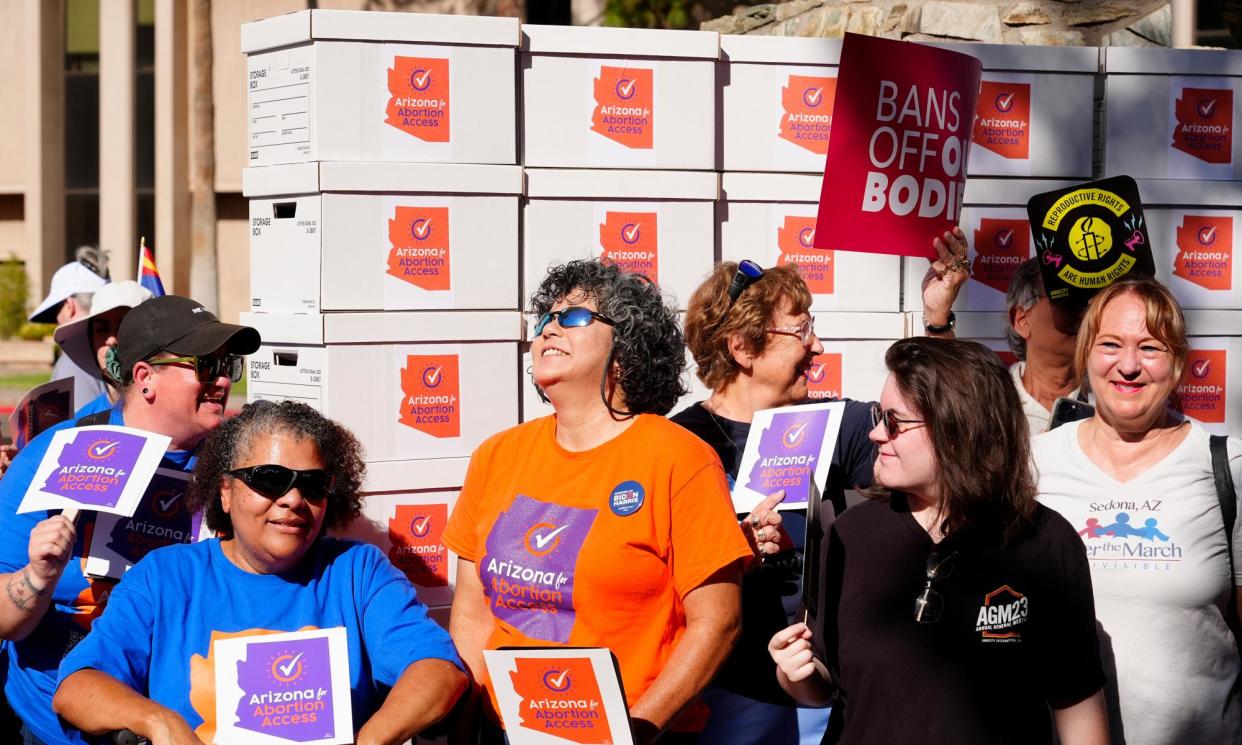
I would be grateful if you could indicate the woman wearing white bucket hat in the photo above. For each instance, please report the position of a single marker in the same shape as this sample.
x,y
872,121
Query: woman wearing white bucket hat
x,y
86,340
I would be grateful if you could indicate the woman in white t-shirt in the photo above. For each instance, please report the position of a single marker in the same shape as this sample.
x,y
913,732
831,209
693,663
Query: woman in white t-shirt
x,y
1136,481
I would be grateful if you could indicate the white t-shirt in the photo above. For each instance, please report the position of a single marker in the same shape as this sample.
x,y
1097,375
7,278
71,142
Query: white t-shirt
x,y
1160,573
1036,415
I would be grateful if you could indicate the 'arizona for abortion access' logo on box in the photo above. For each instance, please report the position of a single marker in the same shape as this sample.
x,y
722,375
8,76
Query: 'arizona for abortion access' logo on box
x,y
431,390
1205,251
419,253
1003,119
807,118
625,106
796,240
1000,246
823,377
1204,126
631,241
420,101
416,536
1202,392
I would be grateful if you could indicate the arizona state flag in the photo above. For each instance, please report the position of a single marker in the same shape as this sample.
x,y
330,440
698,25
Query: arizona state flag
x,y
148,274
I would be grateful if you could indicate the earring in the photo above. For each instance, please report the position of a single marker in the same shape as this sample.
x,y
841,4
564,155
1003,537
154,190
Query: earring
x,y
145,391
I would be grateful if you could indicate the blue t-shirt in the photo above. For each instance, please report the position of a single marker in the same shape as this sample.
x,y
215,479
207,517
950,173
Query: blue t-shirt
x,y
30,664
95,405
157,633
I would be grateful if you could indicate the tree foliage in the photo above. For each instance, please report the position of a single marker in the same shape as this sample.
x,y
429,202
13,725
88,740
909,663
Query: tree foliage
x,y
647,13
14,294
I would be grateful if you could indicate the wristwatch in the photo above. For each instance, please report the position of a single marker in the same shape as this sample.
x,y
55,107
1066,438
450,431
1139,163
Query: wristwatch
x,y
940,328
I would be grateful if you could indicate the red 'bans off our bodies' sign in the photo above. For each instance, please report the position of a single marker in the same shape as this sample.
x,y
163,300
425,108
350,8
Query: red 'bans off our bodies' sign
x,y
901,126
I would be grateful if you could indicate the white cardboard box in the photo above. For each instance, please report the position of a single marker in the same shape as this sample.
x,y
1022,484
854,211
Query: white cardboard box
x,y
852,364
776,102
1196,235
769,218
409,528
1036,111
383,236
618,98
1212,391
367,86
658,223
1172,113
411,386
998,239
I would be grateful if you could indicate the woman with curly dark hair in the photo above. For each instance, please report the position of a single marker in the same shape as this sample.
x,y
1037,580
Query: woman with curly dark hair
x,y
604,525
271,482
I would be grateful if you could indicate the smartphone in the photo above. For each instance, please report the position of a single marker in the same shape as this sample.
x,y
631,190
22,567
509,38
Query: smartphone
x,y
1065,410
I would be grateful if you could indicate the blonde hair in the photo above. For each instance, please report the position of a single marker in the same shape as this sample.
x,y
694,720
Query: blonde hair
x,y
1164,320
710,321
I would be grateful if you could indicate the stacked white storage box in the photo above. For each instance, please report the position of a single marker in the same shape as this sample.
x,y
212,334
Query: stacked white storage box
x,y
1169,121
384,205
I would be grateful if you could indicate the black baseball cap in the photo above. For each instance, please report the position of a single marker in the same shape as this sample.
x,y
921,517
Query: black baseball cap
x,y
179,325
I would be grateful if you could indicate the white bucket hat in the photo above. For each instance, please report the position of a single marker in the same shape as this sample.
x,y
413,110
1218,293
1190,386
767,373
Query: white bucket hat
x,y
70,279
74,338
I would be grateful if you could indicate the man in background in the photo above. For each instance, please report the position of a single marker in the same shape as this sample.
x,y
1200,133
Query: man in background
x,y
73,286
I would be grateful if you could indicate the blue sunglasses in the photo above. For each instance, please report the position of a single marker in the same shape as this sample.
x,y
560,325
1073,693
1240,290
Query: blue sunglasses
x,y
573,317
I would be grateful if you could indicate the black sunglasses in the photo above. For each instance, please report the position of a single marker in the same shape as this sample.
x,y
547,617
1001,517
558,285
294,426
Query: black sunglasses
x,y
892,423
575,316
207,368
748,272
930,604
274,482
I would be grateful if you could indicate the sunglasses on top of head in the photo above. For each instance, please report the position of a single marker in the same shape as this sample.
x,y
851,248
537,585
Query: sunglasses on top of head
x,y
207,368
275,481
575,316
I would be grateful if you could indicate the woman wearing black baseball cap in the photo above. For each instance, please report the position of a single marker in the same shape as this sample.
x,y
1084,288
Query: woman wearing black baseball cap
x,y
176,362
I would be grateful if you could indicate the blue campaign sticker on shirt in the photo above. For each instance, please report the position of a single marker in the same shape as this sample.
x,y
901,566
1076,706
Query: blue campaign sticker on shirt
x,y
627,498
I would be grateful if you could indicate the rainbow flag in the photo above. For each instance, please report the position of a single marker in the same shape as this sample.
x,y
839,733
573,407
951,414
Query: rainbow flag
x,y
148,274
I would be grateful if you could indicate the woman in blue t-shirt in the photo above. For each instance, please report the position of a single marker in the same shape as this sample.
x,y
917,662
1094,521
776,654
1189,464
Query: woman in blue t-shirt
x,y
270,482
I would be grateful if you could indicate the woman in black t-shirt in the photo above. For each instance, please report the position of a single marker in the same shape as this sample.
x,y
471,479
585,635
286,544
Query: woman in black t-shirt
x,y
957,611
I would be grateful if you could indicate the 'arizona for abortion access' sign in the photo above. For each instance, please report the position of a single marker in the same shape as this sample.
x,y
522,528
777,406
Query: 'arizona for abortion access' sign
x,y
902,121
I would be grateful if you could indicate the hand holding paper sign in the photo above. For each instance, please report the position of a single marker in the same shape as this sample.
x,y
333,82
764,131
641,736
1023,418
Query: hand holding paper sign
x,y
945,277
763,530
799,673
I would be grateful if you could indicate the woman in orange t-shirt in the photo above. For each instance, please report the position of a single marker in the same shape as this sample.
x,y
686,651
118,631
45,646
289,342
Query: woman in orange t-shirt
x,y
604,525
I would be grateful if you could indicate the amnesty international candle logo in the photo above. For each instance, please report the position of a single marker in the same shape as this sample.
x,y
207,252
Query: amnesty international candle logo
x,y
430,391
807,120
287,690
1000,246
823,377
1204,126
1003,119
160,520
631,241
1089,236
796,240
419,99
94,468
419,253
561,698
529,564
416,533
1205,251
788,451
1202,392
624,106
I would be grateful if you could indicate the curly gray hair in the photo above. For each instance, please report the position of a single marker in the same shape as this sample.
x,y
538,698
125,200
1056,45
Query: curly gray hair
x,y
1025,289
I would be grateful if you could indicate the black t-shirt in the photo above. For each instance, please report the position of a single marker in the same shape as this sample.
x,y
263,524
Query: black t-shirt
x,y
1016,636
770,591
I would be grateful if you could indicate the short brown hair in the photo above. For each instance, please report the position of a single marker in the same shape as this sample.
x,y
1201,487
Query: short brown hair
x,y
974,418
710,321
1164,320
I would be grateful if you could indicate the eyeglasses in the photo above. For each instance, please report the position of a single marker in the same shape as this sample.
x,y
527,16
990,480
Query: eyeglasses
x,y
892,424
575,316
274,482
748,272
207,367
930,604
804,332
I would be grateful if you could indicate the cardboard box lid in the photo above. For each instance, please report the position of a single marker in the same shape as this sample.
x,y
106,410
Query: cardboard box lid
x,y
410,475
785,50
407,327
286,328
836,325
1018,58
1174,192
620,184
597,41
1213,323
1152,61
388,178
355,25
1010,192
770,187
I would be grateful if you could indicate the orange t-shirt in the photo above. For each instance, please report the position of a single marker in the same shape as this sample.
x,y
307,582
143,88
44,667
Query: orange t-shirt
x,y
596,548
